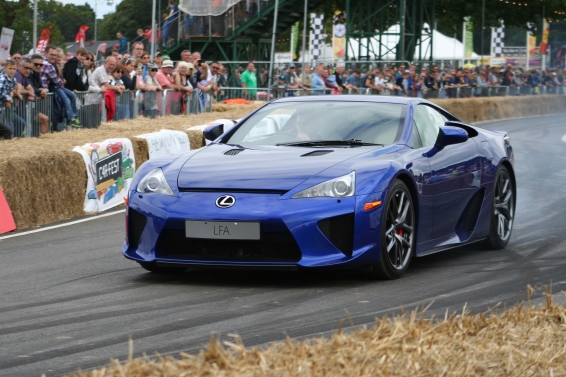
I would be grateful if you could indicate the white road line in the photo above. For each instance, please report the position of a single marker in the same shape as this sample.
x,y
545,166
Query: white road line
x,y
564,138
62,225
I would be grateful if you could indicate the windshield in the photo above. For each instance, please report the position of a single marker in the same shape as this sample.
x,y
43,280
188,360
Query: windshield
x,y
292,122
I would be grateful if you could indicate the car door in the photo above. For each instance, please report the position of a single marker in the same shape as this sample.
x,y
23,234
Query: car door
x,y
453,179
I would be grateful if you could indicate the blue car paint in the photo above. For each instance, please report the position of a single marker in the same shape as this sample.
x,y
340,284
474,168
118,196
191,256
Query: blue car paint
x,y
443,185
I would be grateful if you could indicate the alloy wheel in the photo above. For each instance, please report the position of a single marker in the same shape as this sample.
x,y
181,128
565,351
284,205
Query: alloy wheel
x,y
400,229
503,208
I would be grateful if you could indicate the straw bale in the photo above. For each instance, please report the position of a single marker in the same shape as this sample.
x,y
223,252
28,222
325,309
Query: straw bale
x,y
44,181
472,110
517,342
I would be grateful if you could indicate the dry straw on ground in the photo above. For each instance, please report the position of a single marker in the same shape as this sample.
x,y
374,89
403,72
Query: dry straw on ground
x,y
519,342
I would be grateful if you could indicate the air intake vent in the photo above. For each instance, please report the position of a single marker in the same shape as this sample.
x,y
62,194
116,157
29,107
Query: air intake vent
x,y
136,225
316,153
233,152
340,231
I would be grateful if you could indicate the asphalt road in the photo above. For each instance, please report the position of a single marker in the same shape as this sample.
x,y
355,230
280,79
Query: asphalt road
x,y
69,299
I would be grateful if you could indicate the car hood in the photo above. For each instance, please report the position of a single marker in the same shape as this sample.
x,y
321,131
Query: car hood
x,y
265,168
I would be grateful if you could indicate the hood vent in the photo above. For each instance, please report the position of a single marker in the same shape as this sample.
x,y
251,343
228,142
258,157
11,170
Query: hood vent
x,y
233,152
316,153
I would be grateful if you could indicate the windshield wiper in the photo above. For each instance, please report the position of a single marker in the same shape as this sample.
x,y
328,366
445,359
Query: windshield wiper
x,y
307,143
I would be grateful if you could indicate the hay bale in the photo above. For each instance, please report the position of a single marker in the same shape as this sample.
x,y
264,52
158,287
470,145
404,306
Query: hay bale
x,y
44,181
473,110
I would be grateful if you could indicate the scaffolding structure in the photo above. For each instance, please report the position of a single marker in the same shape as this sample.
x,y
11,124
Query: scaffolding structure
x,y
373,23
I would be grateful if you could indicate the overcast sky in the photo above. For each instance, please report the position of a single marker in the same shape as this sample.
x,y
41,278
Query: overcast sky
x,y
102,7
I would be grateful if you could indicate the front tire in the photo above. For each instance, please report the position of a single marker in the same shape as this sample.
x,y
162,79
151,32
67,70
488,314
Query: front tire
x,y
503,210
397,233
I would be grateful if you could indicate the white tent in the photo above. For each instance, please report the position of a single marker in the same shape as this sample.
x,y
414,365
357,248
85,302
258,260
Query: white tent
x,y
445,48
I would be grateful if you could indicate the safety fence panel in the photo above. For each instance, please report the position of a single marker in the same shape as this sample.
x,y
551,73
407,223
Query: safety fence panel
x,y
90,106
195,106
29,118
124,105
148,104
173,102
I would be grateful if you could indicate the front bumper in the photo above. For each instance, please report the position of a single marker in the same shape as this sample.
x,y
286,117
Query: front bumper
x,y
291,230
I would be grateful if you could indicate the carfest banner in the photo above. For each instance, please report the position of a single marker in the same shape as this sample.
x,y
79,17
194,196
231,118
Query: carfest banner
x,y
166,142
110,167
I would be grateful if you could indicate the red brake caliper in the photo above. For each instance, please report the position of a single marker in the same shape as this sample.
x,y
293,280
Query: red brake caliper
x,y
399,232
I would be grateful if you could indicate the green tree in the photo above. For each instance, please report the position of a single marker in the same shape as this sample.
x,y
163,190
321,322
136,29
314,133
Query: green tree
x,y
129,16
64,20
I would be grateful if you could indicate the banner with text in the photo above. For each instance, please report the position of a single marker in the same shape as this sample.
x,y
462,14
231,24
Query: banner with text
x,y
6,43
110,167
166,142
468,38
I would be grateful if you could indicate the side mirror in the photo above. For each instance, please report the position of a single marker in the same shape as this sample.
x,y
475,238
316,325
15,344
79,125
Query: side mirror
x,y
213,131
449,135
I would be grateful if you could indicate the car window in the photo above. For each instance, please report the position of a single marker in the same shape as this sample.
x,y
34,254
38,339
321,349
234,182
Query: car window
x,y
416,139
288,122
428,122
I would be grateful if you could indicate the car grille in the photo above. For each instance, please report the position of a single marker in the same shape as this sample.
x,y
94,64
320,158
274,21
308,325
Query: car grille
x,y
136,225
340,231
272,247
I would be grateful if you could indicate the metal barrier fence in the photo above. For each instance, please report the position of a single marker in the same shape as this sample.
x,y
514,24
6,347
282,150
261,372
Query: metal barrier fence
x,y
29,118
32,118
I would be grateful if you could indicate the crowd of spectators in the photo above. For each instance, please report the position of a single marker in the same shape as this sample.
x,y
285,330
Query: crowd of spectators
x,y
31,78
410,80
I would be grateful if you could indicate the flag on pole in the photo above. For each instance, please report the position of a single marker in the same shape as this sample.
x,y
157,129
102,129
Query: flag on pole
x,y
316,35
81,35
100,51
44,39
544,43
497,44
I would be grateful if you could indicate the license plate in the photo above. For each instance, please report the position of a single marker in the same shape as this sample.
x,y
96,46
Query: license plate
x,y
224,230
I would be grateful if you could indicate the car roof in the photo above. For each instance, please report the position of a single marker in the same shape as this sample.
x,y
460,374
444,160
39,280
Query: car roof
x,y
352,98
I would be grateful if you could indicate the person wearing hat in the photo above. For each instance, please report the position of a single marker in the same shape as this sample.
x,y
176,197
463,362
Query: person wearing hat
x,y
279,87
165,77
292,82
159,58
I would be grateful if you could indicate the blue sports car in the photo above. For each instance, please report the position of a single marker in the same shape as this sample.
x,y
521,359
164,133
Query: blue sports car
x,y
359,181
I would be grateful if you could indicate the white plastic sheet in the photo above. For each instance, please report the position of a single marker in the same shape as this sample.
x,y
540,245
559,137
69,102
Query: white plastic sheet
x,y
206,7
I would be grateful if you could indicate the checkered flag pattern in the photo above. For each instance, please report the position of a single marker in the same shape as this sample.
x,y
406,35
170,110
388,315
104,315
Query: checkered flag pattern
x,y
497,44
316,35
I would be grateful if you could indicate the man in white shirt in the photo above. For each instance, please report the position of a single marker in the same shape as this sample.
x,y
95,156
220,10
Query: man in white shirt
x,y
100,76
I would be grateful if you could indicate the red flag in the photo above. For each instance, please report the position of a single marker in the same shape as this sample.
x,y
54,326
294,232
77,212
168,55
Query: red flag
x,y
44,38
544,43
81,34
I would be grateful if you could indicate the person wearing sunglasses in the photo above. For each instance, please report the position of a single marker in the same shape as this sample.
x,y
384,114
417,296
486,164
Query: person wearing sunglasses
x,y
76,78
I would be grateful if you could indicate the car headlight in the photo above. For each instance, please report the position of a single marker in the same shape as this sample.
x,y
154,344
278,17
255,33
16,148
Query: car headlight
x,y
340,187
154,182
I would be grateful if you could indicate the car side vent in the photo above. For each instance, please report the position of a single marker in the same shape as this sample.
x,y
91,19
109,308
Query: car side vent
x,y
340,231
136,225
316,153
233,152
